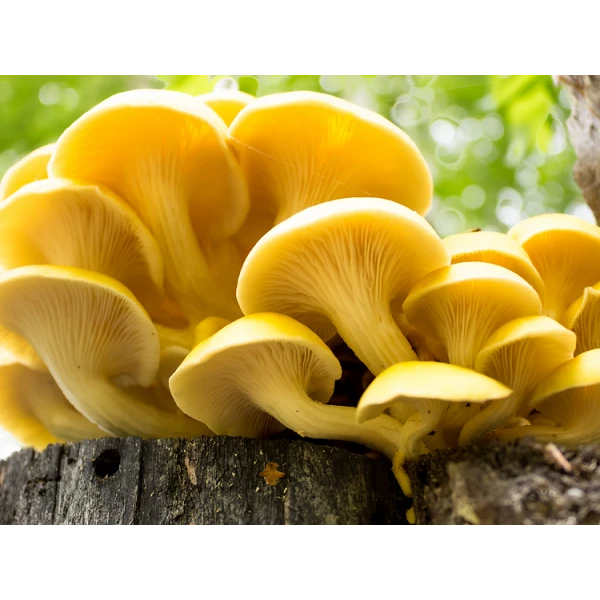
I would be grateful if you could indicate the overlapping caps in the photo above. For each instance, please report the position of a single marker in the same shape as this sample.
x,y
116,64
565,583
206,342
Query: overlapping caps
x,y
182,266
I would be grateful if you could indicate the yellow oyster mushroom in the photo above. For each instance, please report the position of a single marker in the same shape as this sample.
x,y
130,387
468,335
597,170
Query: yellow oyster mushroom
x,y
98,344
461,305
494,248
299,149
34,410
520,354
166,154
570,398
32,167
227,103
61,222
560,248
583,317
430,388
265,372
337,267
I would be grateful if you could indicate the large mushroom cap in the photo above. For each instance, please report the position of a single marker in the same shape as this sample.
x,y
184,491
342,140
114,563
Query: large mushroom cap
x,y
338,266
166,154
60,222
97,342
257,357
227,103
461,305
299,149
32,167
560,247
34,410
494,248
520,354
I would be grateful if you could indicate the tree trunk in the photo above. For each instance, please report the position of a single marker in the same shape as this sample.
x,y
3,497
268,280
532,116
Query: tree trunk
x,y
202,481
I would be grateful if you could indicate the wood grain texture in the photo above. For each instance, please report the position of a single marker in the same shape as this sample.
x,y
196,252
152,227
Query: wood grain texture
x,y
523,482
201,481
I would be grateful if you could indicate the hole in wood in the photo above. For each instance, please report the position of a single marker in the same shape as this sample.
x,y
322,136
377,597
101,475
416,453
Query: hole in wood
x,y
107,463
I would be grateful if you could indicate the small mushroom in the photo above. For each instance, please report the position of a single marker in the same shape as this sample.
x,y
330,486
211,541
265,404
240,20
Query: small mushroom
x,y
166,154
227,103
60,222
299,149
32,167
569,397
34,410
98,344
560,247
338,266
265,372
583,317
520,354
494,248
429,388
461,305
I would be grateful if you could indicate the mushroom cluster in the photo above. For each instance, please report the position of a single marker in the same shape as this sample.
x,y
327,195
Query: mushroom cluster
x,y
178,266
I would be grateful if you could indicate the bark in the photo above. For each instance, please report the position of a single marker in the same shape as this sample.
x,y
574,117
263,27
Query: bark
x,y
202,481
523,482
584,132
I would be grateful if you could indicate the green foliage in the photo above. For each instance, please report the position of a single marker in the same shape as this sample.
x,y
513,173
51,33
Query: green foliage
x,y
497,145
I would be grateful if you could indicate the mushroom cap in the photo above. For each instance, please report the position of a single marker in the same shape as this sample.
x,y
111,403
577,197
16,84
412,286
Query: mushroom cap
x,y
34,410
583,317
570,395
461,305
208,327
61,222
299,149
143,139
523,351
217,381
80,319
495,248
344,252
560,247
32,167
227,103
421,382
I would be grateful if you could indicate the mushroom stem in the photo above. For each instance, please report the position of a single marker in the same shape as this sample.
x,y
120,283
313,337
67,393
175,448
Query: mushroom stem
x,y
418,425
490,418
582,433
314,420
372,333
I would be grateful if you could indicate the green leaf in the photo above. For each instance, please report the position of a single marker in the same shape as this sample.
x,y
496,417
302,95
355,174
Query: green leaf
x,y
190,84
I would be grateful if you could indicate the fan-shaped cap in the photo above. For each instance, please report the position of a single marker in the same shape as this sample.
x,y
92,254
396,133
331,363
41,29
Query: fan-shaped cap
x,y
494,248
60,222
338,266
232,378
32,167
34,410
94,336
583,317
520,354
166,154
560,247
462,305
227,103
299,149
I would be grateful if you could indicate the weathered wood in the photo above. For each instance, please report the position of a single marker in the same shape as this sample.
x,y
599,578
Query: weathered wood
x,y
523,482
201,481
584,132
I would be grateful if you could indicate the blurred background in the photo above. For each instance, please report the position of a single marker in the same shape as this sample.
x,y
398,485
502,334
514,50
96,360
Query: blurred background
x,y
497,146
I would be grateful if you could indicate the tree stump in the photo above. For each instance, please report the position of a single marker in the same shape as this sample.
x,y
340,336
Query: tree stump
x,y
201,481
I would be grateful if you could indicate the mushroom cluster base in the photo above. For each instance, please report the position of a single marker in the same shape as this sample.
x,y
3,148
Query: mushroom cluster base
x,y
224,480
518,483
